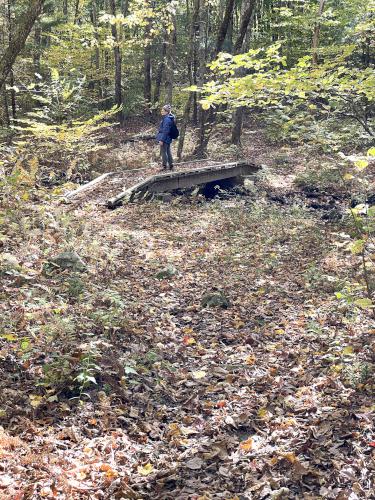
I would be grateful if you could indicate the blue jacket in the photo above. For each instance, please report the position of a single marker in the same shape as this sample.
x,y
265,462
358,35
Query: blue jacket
x,y
165,129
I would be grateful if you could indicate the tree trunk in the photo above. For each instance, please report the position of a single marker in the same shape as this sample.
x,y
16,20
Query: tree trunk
x,y
4,111
171,60
223,30
125,7
147,66
208,118
245,21
37,49
94,21
147,85
315,40
11,74
76,12
239,46
193,57
65,8
23,27
117,57
160,72
183,127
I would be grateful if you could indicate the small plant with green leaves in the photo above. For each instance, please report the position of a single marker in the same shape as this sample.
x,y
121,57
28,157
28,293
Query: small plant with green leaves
x,y
87,371
356,178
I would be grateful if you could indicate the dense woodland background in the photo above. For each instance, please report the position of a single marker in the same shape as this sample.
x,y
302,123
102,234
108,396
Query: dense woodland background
x,y
84,57
208,343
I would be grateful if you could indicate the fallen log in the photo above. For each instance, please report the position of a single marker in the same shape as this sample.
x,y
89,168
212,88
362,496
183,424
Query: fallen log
x,y
87,186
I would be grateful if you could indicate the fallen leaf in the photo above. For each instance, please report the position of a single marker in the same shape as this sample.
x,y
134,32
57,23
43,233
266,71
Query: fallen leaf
x,y
290,456
189,340
199,374
145,470
35,400
195,463
247,445
250,360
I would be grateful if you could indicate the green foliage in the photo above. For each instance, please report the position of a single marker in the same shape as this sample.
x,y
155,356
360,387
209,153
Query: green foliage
x,y
58,149
358,180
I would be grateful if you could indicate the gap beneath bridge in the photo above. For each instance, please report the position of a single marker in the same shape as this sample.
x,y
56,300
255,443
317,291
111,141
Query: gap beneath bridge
x,y
185,179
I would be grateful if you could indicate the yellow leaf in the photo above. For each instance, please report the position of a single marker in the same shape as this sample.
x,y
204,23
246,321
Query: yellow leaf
x,y
9,337
189,341
247,445
25,196
199,374
279,331
35,400
347,350
337,368
347,177
238,323
361,164
205,105
250,360
290,456
262,413
145,470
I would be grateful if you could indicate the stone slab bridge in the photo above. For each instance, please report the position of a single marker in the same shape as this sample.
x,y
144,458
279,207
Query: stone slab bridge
x,y
114,188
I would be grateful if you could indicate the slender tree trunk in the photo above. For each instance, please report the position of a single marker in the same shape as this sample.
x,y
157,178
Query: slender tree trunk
x,y
245,22
194,57
185,121
192,70
147,65
76,11
125,7
37,49
239,46
316,34
117,57
4,111
223,30
147,85
23,27
94,20
208,118
171,60
11,74
160,72
65,8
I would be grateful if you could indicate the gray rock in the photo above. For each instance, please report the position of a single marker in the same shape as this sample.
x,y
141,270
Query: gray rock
x,y
166,273
9,262
216,299
69,260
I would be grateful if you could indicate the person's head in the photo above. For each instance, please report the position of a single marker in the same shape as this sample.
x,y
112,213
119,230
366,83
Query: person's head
x,y
165,110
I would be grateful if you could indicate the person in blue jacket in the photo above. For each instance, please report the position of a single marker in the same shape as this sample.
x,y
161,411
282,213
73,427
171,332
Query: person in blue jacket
x,y
164,136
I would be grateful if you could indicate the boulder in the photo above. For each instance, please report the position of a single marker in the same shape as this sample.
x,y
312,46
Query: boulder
x,y
68,260
215,299
166,273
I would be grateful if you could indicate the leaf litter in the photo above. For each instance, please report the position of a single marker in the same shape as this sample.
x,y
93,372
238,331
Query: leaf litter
x,y
271,397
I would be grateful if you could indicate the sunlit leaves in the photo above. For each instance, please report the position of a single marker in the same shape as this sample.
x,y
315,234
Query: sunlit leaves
x,y
357,246
361,164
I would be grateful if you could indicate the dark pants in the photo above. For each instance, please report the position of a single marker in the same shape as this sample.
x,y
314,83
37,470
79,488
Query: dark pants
x,y
166,155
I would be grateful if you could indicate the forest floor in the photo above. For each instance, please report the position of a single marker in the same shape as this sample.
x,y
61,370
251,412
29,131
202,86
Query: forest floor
x,y
267,397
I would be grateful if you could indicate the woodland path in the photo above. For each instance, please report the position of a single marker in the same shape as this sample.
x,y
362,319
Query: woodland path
x,y
269,398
